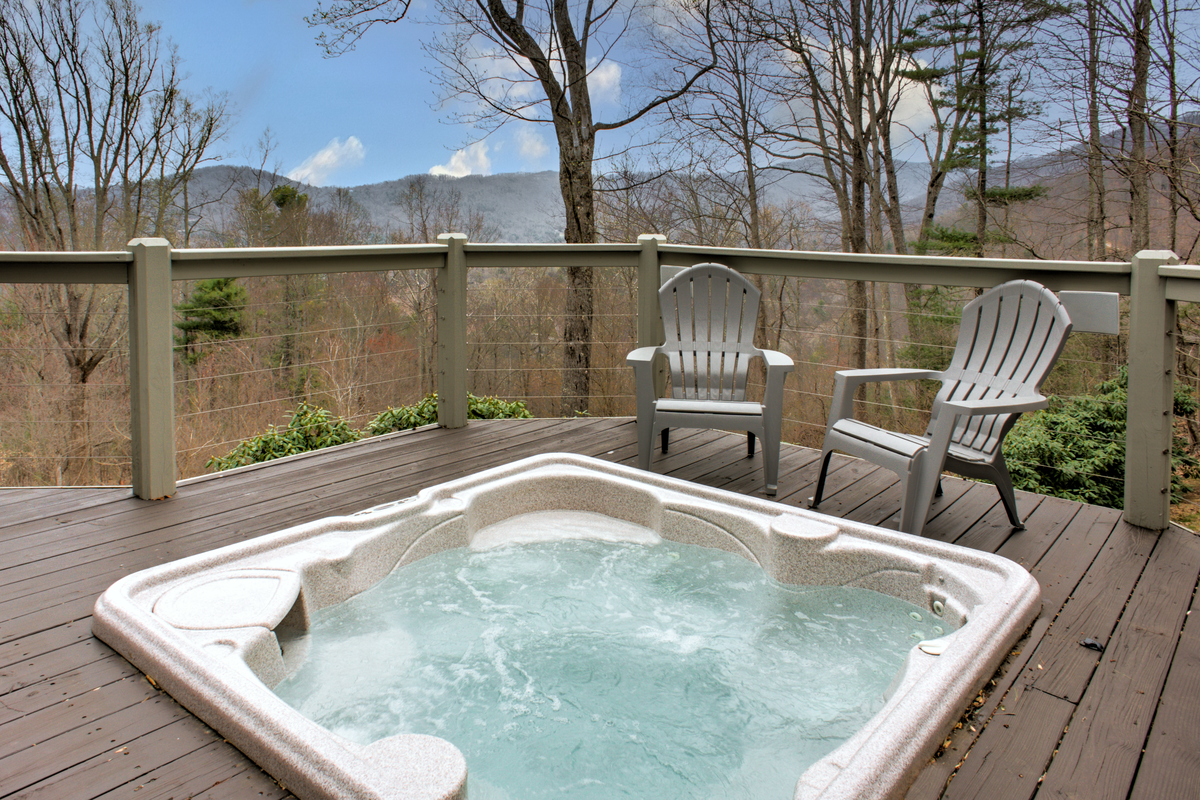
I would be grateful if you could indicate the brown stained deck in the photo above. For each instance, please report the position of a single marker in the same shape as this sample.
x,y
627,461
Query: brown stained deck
x,y
78,722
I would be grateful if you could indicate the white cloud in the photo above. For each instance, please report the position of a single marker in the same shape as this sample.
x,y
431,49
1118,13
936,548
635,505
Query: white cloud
x,y
531,144
604,82
336,155
912,109
471,161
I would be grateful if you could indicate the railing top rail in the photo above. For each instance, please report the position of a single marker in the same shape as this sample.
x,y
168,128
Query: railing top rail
x,y
65,257
495,254
1179,271
95,266
247,262
110,267
1113,267
1106,276
1183,282
340,251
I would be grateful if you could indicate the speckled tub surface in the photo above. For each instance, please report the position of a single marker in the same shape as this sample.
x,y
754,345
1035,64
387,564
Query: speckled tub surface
x,y
207,628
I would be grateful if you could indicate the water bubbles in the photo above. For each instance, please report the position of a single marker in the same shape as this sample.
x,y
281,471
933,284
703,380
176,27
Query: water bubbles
x,y
542,656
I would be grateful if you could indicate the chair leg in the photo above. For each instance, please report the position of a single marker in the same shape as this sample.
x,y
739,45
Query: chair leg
x,y
1008,497
666,437
909,504
816,499
749,444
770,449
645,436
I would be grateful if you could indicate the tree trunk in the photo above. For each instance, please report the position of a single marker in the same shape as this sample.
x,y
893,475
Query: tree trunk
x,y
981,94
1096,234
575,180
1139,169
856,294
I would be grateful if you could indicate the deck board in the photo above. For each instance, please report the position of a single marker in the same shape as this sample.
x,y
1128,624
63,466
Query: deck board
x,y
77,721
1099,755
1171,764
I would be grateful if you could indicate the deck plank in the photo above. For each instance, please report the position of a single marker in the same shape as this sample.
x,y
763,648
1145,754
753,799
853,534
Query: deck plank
x,y
1064,666
1099,755
1171,764
202,774
1007,761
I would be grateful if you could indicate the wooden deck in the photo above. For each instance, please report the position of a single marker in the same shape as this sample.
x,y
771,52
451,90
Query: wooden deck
x,y
77,721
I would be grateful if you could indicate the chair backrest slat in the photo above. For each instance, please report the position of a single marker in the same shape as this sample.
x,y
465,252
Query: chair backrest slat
x,y
703,306
1008,341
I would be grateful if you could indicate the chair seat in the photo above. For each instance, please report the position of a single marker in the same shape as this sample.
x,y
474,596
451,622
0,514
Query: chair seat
x,y
746,408
903,444
906,445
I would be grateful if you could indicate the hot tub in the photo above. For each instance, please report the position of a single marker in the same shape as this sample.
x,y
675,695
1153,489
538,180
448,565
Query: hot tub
x,y
208,629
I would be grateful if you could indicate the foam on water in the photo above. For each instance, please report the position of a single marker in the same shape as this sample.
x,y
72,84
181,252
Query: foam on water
x,y
578,668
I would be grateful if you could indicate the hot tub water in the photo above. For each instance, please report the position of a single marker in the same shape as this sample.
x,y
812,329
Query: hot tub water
x,y
571,655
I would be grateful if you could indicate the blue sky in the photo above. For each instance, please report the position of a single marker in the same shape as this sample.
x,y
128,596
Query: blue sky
x,y
362,117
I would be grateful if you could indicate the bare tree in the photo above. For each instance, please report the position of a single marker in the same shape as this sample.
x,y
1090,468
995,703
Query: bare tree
x,y
1123,74
846,63
723,120
532,62
89,130
431,206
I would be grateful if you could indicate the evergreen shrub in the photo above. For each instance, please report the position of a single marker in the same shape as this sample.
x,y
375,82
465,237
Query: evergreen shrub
x,y
310,428
1075,449
424,412
313,428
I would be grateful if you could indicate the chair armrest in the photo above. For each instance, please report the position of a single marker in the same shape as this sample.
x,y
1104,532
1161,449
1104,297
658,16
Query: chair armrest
x,y
941,429
642,361
998,405
856,376
775,359
847,380
641,355
778,367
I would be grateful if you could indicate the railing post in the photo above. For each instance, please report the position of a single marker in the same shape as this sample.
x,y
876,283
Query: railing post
x,y
151,370
1151,393
650,327
452,333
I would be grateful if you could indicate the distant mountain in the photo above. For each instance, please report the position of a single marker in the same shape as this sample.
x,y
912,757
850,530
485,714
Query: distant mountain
x,y
911,178
524,206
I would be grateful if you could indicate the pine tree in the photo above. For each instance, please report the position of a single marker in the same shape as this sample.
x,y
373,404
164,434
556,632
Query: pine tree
x,y
213,312
984,39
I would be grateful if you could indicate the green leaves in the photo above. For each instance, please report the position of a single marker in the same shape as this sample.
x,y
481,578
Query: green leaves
x,y
424,412
310,428
213,311
313,428
1075,449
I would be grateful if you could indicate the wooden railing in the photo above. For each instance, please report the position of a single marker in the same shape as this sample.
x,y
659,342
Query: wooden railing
x,y
1154,281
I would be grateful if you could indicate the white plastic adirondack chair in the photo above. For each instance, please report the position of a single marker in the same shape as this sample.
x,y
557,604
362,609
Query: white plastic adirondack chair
x,y
709,312
1008,340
